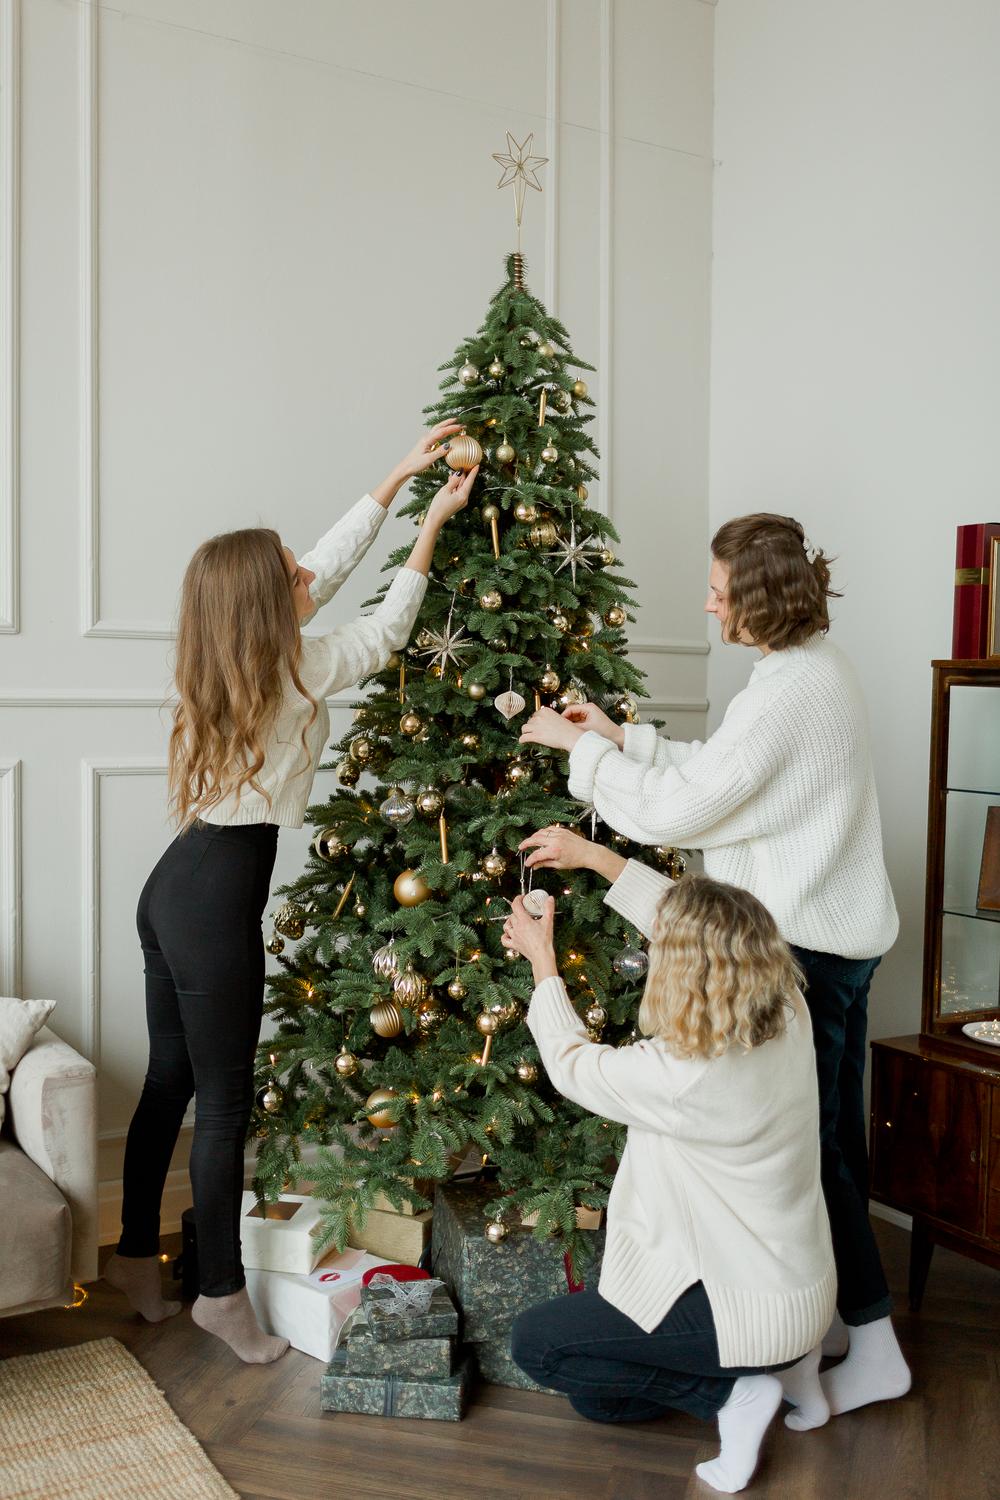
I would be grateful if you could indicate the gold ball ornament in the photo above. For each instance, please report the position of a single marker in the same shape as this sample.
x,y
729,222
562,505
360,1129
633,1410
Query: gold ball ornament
x,y
519,772
543,535
606,557
345,1063
626,708
386,1018
409,987
505,453
595,1016
375,1108
467,587
348,773
527,1072
275,944
487,1024
360,909
549,453
429,801
525,512
271,1098
398,809
494,864
496,1231
469,373
580,389
457,989
546,350
469,741
424,639
429,1015
571,695
560,621
549,680
496,368
328,844
564,400
491,600
290,920
582,492
670,860
476,691
411,723
491,422
464,453
361,749
614,617
410,888
490,513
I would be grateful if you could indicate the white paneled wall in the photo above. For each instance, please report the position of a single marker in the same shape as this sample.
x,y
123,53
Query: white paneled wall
x,y
236,239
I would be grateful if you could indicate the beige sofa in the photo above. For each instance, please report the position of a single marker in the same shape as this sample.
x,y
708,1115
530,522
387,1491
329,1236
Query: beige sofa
x,y
48,1178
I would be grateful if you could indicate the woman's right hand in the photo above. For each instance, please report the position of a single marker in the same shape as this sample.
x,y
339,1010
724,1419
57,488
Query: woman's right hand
x,y
589,716
559,848
450,499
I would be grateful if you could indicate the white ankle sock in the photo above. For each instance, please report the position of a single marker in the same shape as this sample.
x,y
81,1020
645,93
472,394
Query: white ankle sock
x,y
874,1369
743,1422
836,1340
802,1388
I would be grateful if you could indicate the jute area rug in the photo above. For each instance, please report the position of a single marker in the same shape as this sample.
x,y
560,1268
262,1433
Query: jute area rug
x,y
87,1423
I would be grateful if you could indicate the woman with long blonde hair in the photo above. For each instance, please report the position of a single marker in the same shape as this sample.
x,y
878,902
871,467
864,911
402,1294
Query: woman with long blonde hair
x,y
249,728
718,1267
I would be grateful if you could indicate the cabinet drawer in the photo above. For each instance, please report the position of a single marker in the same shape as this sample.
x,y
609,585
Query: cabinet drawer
x,y
930,1126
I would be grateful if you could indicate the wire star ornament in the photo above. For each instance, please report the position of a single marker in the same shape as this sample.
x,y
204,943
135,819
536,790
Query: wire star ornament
x,y
572,553
446,646
519,168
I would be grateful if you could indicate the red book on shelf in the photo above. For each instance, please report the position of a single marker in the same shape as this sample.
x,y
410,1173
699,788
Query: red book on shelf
x,y
972,590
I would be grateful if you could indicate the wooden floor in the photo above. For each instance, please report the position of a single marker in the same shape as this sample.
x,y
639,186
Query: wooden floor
x,y
264,1430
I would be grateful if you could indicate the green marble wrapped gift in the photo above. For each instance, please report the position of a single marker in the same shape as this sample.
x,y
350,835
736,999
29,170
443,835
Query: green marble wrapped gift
x,y
430,1359
395,1395
497,1368
493,1283
387,1323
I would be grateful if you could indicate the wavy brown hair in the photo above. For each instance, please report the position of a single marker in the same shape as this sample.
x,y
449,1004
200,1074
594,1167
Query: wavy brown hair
x,y
238,644
776,592
719,975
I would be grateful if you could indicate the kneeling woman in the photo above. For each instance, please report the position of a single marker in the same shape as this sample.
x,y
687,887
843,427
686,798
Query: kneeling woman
x,y
718,1266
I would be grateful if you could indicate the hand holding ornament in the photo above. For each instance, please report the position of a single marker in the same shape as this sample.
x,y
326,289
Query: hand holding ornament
x,y
427,450
450,499
546,727
587,716
559,848
533,937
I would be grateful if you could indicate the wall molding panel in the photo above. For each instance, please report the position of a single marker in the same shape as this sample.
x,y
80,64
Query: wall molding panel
x,y
94,772
10,230
10,877
606,269
552,111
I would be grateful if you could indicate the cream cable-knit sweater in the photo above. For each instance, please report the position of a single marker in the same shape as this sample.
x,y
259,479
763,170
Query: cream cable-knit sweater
x,y
339,659
781,799
719,1181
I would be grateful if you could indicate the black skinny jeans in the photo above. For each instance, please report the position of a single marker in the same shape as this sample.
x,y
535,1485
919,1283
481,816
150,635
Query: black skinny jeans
x,y
836,992
612,1371
199,923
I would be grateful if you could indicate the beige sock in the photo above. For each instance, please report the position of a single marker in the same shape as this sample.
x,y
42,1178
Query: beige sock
x,y
233,1320
139,1277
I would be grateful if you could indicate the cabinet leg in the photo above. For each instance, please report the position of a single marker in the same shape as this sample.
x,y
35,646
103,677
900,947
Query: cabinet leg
x,y
921,1250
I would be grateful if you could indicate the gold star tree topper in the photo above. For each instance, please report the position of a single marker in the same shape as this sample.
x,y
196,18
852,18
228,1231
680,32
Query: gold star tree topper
x,y
519,168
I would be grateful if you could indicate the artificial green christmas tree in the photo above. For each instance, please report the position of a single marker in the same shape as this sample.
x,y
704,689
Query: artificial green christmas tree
x,y
401,1038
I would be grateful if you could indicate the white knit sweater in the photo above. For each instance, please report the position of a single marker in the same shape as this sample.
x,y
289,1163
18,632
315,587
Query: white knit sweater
x,y
781,799
719,1181
330,662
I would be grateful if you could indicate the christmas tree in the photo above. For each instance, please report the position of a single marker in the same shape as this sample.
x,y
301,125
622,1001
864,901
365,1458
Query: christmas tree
x,y
401,1039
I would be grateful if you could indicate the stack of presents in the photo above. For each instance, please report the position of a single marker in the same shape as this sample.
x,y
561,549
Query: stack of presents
x,y
415,1308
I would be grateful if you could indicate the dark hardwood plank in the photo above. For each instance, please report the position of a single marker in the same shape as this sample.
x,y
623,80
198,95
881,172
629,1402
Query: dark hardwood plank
x,y
263,1428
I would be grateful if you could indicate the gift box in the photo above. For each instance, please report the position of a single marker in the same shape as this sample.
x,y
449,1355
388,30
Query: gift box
x,y
389,1320
310,1311
493,1283
497,1368
392,1236
428,1359
280,1236
395,1395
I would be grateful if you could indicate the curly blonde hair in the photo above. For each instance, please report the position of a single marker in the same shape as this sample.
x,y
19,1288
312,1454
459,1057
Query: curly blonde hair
x,y
720,974
238,644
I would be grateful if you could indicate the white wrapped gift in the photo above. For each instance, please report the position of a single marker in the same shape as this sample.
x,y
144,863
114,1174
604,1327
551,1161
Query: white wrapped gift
x,y
309,1311
282,1238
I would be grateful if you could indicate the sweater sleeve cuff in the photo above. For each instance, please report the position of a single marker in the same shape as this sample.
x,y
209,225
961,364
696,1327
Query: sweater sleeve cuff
x,y
407,587
551,1010
585,756
636,895
640,743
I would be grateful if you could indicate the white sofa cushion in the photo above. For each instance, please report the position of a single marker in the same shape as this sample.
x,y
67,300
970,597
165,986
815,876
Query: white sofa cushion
x,y
19,1020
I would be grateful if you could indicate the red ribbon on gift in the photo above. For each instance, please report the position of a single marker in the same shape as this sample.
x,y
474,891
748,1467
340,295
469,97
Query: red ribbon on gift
x,y
398,1273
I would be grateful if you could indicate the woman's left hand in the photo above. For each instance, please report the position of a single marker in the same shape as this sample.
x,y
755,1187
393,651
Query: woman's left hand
x,y
546,727
532,936
428,450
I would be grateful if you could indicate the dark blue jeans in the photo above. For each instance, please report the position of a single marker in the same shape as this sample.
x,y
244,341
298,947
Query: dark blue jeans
x,y
836,993
614,1372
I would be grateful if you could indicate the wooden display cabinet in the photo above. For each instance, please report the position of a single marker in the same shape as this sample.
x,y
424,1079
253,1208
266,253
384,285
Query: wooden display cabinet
x,y
935,1098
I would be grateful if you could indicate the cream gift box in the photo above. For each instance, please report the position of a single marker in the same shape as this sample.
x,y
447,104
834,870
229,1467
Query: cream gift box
x,y
282,1238
309,1311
